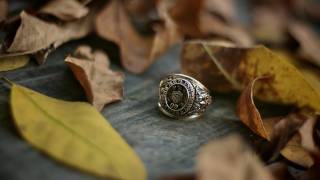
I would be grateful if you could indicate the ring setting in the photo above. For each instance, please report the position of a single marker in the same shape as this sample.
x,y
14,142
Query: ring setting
x,y
183,97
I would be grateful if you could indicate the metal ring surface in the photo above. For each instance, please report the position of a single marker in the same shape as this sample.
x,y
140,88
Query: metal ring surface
x,y
183,97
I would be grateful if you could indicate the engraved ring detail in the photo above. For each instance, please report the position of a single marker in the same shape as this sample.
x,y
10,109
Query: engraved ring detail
x,y
183,97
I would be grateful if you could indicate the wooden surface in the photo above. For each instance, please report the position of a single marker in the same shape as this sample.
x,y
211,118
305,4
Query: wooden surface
x,y
166,146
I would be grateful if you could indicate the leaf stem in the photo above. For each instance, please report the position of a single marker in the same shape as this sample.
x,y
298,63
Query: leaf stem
x,y
6,80
234,83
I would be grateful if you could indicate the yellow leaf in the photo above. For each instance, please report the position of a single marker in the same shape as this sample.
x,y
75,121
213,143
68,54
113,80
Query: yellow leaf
x,y
225,68
14,62
74,133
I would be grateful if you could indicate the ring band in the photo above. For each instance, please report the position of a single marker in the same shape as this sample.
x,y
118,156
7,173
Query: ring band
x,y
183,97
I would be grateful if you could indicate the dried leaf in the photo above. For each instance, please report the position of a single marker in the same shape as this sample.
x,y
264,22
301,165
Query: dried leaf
x,y
229,159
34,35
74,133
281,132
11,63
308,40
3,9
248,112
223,68
65,10
101,84
137,52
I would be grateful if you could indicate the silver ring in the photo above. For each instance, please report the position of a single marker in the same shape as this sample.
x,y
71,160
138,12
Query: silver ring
x,y
183,97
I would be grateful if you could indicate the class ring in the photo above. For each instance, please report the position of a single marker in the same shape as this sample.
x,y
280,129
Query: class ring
x,y
183,97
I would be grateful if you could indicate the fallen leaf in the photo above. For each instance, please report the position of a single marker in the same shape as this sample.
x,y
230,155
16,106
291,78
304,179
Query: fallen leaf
x,y
229,158
280,131
73,133
101,84
3,9
65,10
34,35
224,68
137,51
308,40
11,63
248,112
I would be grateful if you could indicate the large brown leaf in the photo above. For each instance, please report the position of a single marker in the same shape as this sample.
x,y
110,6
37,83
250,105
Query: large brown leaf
x,y
101,84
137,51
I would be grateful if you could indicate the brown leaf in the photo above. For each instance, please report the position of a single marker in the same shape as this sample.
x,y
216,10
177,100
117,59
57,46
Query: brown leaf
x,y
65,10
36,36
308,40
229,158
137,52
247,111
3,9
279,131
102,85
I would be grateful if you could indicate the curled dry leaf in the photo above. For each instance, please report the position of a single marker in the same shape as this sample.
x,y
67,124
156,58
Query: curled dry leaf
x,y
65,10
229,158
35,35
308,40
11,63
224,68
280,131
137,52
3,9
74,133
101,84
248,112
